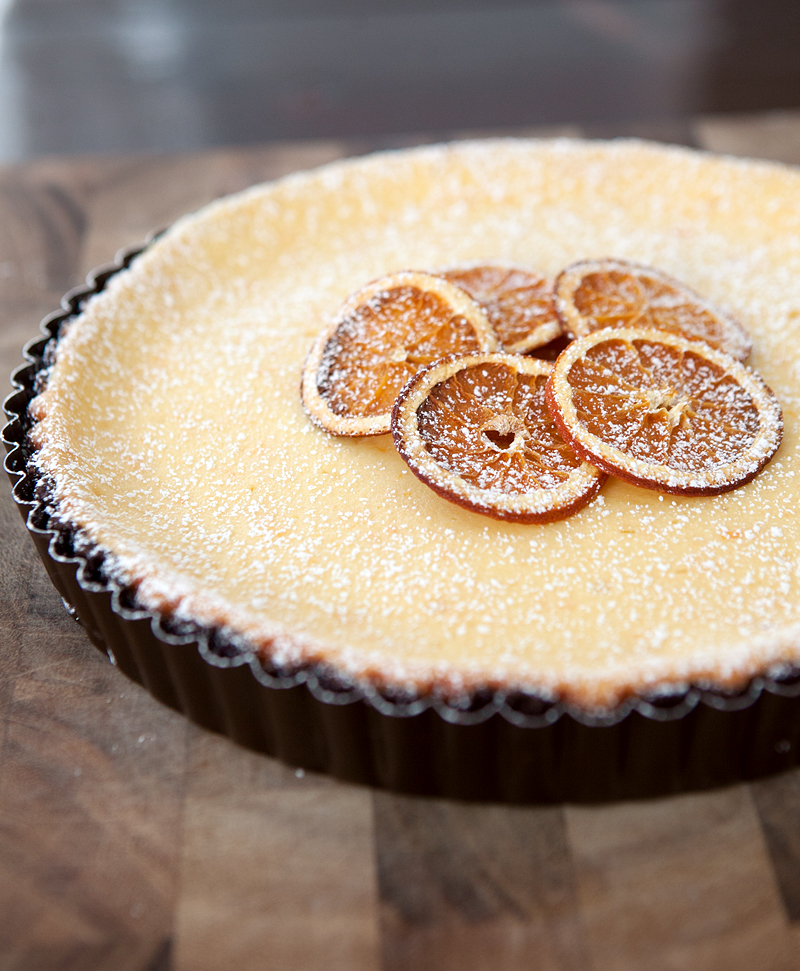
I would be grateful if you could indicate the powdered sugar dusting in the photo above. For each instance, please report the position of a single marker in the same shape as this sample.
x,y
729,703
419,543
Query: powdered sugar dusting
x,y
178,390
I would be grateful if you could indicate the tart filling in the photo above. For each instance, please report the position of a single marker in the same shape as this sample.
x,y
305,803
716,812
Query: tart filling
x,y
172,434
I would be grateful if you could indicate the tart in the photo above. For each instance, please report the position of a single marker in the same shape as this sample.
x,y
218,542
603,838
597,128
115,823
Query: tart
x,y
170,437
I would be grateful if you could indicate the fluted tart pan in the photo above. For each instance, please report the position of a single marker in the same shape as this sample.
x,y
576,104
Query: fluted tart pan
x,y
491,745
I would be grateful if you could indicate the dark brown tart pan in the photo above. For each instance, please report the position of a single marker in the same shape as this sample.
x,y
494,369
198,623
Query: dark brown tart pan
x,y
495,746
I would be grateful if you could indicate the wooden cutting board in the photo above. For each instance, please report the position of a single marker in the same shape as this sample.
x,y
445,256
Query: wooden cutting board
x,y
130,839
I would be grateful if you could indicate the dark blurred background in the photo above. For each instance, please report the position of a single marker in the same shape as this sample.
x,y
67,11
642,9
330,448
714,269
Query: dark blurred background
x,y
162,75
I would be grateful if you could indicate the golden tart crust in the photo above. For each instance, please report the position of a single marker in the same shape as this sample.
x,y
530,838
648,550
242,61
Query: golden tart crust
x,y
173,433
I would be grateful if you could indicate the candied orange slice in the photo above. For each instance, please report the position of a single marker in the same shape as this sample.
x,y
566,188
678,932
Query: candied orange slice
x,y
476,429
383,334
594,294
518,303
663,412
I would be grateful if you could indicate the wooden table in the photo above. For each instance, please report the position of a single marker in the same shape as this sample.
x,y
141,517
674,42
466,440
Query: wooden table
x,y
130,839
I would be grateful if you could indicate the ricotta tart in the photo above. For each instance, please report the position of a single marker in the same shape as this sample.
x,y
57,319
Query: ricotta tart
x,y
170,433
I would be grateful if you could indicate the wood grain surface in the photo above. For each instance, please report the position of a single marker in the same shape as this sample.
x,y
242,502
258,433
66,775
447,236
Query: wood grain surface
x,y
132,841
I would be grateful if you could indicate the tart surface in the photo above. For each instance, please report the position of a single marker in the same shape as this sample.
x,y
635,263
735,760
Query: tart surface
x,y
173,432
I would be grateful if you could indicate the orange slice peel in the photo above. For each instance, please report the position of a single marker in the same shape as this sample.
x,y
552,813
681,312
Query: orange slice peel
x,y
663,412
476,429
596,294
383,334
517,301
